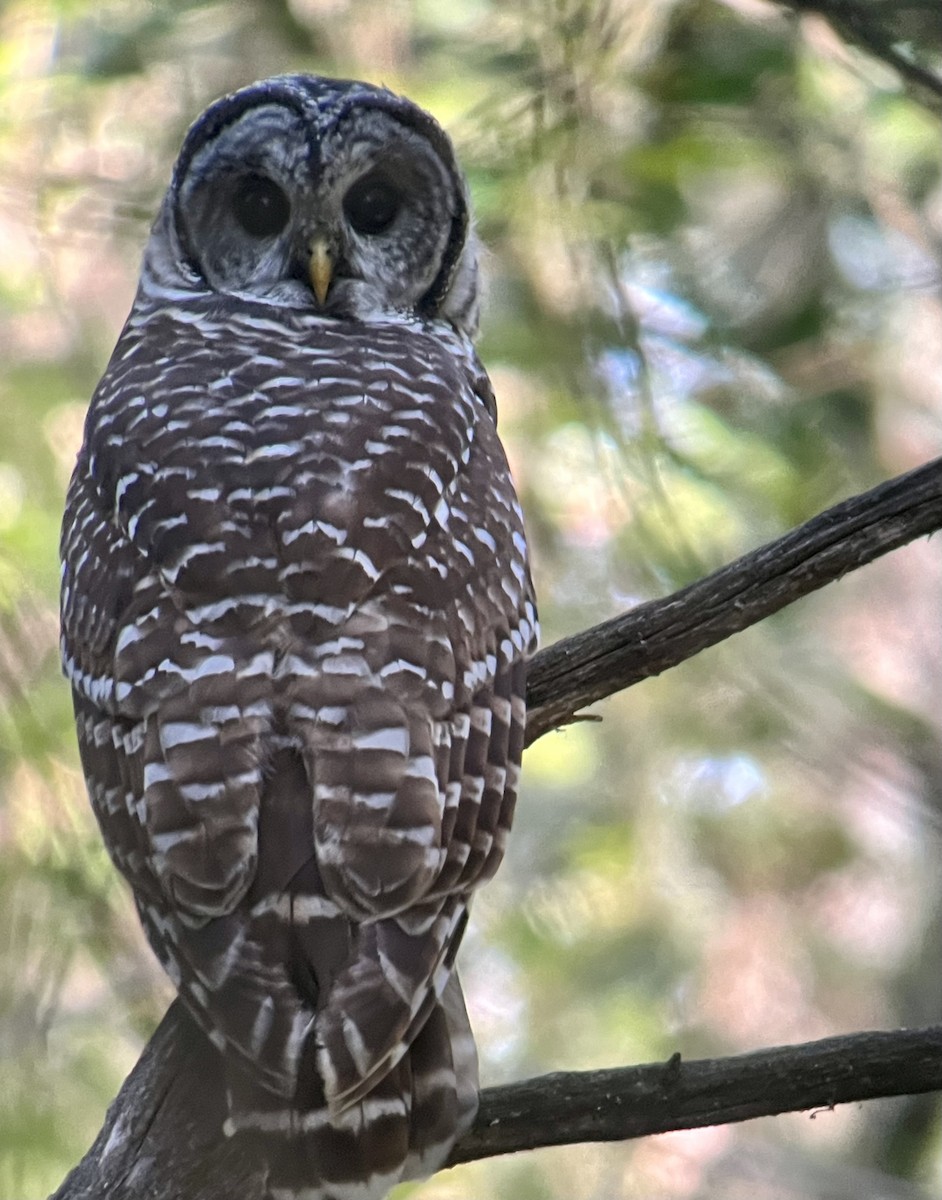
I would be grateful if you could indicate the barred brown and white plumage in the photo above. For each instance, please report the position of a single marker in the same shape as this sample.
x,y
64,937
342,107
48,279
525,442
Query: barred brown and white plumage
x,y
296,611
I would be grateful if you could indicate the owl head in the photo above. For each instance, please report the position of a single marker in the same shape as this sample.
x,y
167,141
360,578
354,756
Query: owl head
x,y
322,195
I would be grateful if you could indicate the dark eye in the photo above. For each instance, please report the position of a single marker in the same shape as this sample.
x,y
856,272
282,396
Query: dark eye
x,y
372,204
260,206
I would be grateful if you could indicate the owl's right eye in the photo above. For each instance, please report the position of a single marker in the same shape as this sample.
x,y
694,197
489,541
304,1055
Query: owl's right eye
x,y
260,206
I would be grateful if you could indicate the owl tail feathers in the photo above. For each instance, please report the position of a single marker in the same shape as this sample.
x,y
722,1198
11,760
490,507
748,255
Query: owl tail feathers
x,y
382,1000
403,1129
444,1067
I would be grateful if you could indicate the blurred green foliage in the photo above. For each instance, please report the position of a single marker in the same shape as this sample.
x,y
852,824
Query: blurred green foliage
x,y
714,249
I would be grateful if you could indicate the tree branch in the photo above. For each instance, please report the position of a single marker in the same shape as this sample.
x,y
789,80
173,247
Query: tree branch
x,y
630,1102
162,1136
659,634
859,24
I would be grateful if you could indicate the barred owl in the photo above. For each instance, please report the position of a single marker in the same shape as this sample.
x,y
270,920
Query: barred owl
x,y
296,613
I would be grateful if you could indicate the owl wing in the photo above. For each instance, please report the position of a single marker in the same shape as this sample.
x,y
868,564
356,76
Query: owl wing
x,y
417,816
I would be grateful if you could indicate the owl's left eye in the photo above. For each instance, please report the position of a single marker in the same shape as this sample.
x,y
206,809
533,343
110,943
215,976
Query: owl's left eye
x,y
372,204
261,206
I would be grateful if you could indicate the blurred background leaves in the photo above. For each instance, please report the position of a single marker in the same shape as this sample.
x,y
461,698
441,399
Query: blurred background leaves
x,y
714,253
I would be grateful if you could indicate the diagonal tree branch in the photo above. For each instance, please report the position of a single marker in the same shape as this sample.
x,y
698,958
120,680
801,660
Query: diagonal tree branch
x,y
859,23
162,1136
659,634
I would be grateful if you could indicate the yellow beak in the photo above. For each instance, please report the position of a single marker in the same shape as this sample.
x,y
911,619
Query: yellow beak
x,y
320,269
